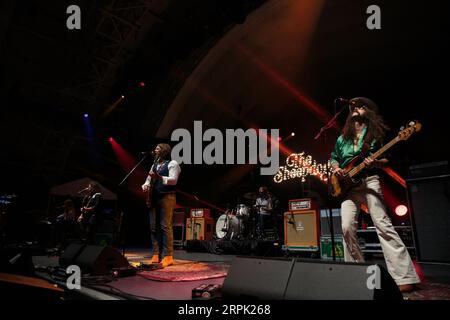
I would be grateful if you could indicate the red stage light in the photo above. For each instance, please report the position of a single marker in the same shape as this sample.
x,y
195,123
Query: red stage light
x,y
401,210
142,84
111,139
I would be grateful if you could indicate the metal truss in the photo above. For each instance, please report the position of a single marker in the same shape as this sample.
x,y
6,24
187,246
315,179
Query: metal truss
x,y
120,30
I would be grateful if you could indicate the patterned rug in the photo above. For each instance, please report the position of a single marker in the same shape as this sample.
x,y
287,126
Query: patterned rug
x,y
181,270
429,291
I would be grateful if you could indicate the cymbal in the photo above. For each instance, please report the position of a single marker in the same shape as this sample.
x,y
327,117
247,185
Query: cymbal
x,y
251,195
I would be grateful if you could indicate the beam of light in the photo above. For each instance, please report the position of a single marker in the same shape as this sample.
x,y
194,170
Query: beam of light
x,y
112,107
93,153
394,175
88,128
300,96
127,162
195,198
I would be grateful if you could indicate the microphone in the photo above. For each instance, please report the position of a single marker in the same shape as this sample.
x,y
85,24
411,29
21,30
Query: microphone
x,y
148,152
83,190
344,101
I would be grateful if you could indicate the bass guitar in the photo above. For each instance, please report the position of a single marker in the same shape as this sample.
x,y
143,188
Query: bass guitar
x,y
351,176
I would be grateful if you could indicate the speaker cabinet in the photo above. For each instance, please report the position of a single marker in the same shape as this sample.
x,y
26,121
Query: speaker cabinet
x,y
295,279
301,230
340,281
96,260
255,278
70,254
199,228
429,202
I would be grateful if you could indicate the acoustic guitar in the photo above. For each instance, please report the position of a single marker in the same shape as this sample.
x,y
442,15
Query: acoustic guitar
x,y
152,183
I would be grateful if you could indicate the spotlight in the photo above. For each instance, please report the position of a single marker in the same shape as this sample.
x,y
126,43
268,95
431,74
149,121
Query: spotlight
x,y
292,134
122,96
111,139
142,84
86,115
401,210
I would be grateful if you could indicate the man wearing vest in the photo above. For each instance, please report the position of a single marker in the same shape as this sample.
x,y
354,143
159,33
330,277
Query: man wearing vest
x,y
161,182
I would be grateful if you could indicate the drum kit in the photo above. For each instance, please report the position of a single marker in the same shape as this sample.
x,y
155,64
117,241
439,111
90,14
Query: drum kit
x,y
238,223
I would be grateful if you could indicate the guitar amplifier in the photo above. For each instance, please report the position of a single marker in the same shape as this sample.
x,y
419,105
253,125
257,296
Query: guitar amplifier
x,y
179,228
301,230
200,213
199,228
302,204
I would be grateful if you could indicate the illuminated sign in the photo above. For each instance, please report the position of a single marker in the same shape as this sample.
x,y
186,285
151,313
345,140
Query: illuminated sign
x,y
300,166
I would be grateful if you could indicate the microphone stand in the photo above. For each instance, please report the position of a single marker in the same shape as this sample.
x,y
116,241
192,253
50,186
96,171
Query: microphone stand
x,y
132,170
327,126
120,184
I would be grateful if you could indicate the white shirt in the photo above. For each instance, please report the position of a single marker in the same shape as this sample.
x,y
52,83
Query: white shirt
x,y
172,178
266,205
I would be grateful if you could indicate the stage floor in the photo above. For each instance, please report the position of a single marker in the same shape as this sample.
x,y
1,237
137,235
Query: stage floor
x,y
435,285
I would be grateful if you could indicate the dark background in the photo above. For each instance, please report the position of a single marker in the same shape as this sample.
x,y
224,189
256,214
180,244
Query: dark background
x,y
50,76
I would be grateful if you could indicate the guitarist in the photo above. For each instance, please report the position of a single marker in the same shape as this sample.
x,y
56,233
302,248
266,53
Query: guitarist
x,y
160,183
91,211
362,135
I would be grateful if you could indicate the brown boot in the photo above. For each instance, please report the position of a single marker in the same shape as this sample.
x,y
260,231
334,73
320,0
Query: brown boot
x,y
155,258
167,261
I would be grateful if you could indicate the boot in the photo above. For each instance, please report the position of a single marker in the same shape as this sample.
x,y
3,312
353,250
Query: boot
x,y
155,258
167,261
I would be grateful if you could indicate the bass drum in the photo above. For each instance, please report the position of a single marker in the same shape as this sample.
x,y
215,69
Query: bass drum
x,y
228,227
222,226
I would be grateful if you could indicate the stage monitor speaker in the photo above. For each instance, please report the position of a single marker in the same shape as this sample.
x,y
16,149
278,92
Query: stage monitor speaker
x,y
70,254
340,281
99,260
284,279
301,230
199,228
429,202
16,260
255,278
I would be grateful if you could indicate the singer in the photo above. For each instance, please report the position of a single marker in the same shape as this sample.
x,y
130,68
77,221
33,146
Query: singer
x,y
362,135
161,198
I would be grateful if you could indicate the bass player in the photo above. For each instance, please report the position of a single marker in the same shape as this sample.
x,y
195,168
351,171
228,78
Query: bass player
x,y
362,135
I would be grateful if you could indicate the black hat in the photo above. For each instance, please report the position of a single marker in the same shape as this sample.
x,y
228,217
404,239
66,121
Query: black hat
x,y
366,102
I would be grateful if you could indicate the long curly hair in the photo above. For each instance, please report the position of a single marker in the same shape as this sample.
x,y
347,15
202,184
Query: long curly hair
x,y
165,151
376,127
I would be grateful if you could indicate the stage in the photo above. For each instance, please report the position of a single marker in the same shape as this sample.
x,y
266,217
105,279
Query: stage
x,y
191,270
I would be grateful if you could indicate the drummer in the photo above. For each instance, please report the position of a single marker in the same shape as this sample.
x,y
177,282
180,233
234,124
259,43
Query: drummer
x,y
264,209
